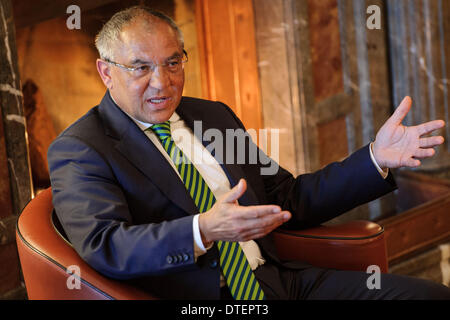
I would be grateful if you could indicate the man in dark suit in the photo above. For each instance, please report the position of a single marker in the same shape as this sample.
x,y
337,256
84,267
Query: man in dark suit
x,y
137,207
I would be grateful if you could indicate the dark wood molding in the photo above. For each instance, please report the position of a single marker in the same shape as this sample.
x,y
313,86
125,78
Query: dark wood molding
x,y
421,226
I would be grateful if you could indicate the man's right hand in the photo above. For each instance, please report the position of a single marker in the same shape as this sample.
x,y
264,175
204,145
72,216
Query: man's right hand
x,y
228,221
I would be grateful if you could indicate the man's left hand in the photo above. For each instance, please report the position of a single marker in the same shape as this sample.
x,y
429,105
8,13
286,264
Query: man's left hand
x,y
397,145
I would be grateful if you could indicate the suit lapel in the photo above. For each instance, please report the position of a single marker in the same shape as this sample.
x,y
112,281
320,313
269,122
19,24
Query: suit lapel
x,y
144,155
134,145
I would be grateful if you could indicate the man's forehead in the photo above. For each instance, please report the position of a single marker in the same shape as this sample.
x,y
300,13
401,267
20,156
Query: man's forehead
x,y
148,37
141,28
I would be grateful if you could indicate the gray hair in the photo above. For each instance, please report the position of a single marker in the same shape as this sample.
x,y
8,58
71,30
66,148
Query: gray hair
x,y
110,32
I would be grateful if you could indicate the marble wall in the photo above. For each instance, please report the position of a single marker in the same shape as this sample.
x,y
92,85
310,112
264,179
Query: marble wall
x,y
325,82
420,59
15,178
329,82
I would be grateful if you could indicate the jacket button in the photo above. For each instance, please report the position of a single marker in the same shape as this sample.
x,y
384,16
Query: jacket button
x,y
213,264
180,257
185,257
169,259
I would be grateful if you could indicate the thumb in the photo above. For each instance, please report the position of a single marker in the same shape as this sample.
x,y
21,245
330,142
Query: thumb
x,y
235,193
401,111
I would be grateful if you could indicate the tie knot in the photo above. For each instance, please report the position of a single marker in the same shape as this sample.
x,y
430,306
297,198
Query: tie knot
x,y
162,130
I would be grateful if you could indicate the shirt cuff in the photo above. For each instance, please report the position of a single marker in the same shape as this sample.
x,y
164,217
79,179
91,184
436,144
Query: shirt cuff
x,y
199,248
384,173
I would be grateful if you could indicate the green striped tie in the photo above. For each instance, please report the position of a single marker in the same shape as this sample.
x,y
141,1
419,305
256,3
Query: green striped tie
x,y
235,267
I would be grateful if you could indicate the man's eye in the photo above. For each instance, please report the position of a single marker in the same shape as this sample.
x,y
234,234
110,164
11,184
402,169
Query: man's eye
x,y
173,63
142,68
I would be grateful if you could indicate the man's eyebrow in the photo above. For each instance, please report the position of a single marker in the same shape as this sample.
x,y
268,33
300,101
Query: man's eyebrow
x,y
140,61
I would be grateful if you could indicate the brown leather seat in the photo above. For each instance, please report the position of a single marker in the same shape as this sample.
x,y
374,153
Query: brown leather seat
x,y
46,256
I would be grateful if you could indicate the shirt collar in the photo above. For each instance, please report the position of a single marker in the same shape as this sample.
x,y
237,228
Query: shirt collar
x,y
145,125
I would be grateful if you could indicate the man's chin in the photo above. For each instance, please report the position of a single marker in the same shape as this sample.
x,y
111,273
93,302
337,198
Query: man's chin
x,y
159,117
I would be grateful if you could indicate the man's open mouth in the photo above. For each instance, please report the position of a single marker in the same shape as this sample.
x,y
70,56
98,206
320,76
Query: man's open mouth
x,y
157,100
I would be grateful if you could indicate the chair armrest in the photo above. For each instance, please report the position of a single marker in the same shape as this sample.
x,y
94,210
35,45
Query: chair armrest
x,y
353,245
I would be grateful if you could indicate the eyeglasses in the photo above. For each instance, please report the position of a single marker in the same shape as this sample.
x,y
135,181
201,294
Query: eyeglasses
x,y
173,65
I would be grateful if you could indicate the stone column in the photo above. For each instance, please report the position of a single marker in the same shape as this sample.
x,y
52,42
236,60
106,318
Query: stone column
x,y
15,177
11,104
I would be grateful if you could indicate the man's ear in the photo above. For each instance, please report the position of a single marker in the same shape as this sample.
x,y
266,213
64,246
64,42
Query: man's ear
x,y
104,71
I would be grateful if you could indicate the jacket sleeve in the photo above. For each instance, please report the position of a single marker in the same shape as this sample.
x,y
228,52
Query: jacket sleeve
x,y
314,198
317,197
94,214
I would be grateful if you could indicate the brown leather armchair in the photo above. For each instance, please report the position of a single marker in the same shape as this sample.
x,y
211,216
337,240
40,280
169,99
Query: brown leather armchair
x,y
45,255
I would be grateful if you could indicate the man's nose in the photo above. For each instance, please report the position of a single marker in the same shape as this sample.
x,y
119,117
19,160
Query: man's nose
x,y
159,79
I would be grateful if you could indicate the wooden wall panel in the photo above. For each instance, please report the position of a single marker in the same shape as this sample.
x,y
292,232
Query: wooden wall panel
x,y
247,69
219,53
227,37
279,81
184,16
419,36
332,141
325,48
320,54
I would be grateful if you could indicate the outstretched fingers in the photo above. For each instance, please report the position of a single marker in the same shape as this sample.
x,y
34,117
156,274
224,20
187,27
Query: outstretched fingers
x,y
259,211
424,153
413,163
428,127
262,226
431,142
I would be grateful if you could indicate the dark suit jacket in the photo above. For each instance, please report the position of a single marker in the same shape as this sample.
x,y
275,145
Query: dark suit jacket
x,y
128,214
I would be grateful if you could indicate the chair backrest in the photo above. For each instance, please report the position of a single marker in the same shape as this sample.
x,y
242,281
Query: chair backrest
x,y
51,267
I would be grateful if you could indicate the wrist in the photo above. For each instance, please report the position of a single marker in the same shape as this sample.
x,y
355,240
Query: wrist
x,y
202,224
376,156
